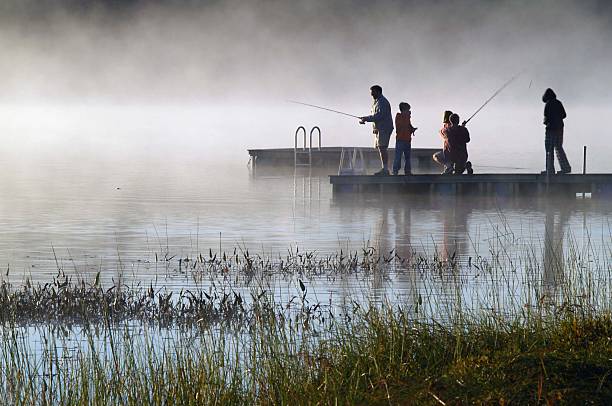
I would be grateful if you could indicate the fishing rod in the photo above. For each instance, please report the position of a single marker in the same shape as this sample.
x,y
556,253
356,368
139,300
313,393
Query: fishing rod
x,y
498,91
323,108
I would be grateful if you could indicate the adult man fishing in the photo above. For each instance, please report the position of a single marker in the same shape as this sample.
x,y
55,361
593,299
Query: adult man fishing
x,y
554,113
382,125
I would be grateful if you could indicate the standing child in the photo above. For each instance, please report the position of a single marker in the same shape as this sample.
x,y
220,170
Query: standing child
x,y
404,132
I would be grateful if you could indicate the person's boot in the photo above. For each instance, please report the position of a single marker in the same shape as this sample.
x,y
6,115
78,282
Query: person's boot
x,y
448,170
565,169
382,172
468,168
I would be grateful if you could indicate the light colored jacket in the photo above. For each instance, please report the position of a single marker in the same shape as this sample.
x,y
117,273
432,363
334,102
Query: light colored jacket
x,y
381,116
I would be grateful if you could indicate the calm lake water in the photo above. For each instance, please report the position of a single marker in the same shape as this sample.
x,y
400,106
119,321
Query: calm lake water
x,y
114,202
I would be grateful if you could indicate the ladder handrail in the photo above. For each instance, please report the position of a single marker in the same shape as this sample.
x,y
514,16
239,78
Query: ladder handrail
x,y
352,159
319,131
305,148
295,146
297,131
341,161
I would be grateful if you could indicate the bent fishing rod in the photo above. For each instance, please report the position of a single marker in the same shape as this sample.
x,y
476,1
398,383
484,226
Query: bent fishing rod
x,y
498,91
324,108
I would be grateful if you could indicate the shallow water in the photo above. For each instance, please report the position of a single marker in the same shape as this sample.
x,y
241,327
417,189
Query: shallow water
x,y
119,198
108,216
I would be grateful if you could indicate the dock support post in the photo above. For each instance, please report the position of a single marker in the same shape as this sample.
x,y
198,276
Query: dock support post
x,y
584,167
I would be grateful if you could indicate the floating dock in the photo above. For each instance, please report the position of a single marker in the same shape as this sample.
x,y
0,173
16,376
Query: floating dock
x,y
597,185
329,157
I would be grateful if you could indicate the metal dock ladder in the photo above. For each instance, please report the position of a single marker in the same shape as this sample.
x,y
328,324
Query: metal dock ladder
x,y
351,162
301,154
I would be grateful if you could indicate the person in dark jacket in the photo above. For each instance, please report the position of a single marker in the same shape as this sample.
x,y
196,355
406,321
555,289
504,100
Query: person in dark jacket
x,y
554,113
458,136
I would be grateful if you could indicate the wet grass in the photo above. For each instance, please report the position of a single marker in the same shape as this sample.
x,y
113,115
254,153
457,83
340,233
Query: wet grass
x,y
539,344
386,358
380,356
63,301
224,289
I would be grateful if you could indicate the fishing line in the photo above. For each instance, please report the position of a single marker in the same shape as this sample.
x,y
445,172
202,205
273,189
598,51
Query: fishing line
x,y
323,108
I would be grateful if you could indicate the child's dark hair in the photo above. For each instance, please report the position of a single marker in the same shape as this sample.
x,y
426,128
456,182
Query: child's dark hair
x,y
404,107
446,118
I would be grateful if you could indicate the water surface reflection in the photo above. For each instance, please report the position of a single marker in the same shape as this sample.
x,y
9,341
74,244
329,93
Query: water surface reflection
x,y
133,224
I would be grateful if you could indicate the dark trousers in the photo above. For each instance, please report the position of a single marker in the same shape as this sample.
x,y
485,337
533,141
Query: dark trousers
x,y
402,148
460,167
554,142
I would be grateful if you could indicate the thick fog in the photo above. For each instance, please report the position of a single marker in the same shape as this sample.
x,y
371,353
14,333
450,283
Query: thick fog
x,y
210,79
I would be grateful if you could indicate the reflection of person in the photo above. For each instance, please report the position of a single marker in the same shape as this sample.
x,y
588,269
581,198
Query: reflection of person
x,y
443,157
403,139
382,124
554,113
406,281
403,229
383,245
455,221
554,262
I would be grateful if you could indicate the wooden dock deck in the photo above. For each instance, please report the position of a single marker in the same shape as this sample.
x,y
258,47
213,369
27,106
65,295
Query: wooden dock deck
x,y
329,157
503,184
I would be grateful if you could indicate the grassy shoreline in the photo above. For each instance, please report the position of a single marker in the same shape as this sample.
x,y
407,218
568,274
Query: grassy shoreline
x,y
144,345
380,356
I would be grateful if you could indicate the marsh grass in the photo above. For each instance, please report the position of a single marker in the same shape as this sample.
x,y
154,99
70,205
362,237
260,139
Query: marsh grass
x,y
62,301
380,356
500,329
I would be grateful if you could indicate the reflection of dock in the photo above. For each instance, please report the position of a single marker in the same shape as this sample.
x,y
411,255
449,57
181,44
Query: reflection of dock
x,y
482,184
329,157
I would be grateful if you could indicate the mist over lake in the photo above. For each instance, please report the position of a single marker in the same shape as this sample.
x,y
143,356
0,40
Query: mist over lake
x,y
145,252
